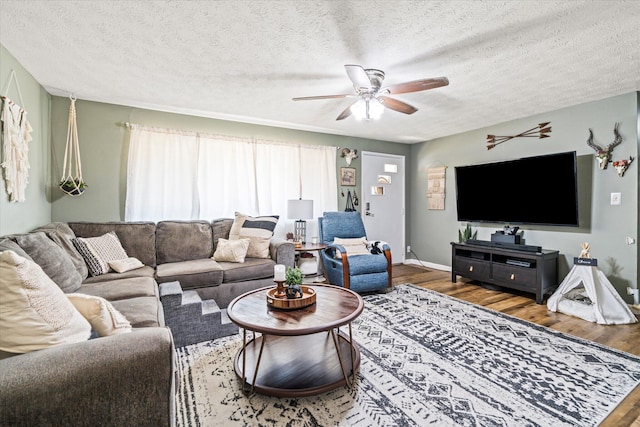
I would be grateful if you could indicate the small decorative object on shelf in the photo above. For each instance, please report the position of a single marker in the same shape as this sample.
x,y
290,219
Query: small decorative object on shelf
x,y
293,292
294,276
293,295
466,234
622,165
603,155
540,131
279,278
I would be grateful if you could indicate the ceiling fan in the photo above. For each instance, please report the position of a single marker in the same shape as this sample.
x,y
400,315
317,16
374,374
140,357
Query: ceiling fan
x,y
372,98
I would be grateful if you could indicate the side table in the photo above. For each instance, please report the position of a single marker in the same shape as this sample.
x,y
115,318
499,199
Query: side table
x,y
313,247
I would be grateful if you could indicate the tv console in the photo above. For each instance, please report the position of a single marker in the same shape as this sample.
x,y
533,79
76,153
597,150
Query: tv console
x,y
529,270
514,246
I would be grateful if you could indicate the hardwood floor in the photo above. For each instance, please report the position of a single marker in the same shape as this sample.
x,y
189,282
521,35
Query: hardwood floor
x,y
622,337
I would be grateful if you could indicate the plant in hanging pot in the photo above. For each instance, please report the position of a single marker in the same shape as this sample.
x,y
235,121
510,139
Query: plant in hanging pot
x,y
293,279
73,187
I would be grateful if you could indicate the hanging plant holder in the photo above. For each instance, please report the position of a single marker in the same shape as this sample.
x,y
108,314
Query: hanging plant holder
x,y
71,182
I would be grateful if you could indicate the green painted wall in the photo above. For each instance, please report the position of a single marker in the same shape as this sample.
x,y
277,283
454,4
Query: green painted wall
x,y
19,217
604,226
104,147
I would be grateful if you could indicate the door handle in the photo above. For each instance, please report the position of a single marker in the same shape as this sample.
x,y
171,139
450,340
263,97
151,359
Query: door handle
x,y
367,213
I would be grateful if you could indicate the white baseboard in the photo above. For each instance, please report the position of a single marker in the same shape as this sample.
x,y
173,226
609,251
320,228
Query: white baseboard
x,y
427,264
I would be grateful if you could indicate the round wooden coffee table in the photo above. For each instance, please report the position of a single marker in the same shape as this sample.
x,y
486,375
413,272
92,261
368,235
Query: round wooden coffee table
x,y
300,352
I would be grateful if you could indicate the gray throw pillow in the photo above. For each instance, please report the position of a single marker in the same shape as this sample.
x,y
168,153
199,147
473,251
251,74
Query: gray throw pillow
x,y
10,245
52,259
63,235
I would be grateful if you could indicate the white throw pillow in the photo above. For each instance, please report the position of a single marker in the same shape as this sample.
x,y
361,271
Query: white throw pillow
x,y
104,318
124,265
98,251
231,250
353,246
258,230
34,312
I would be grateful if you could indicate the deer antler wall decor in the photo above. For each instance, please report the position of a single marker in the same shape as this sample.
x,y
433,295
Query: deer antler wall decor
x,y
603,155
540,131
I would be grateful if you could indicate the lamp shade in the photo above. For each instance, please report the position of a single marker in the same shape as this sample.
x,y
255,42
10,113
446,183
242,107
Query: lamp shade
x,y
299,209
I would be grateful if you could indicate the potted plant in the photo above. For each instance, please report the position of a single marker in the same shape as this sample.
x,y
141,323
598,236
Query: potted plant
x,y
293,279
466,234
73,187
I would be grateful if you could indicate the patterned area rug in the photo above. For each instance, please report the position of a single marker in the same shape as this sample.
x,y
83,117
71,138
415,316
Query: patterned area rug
x,y
427,360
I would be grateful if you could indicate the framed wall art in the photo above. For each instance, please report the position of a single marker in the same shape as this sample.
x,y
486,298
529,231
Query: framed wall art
x,y
348,176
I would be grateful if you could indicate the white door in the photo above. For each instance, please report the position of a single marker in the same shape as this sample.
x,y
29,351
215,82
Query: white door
x,y
383,198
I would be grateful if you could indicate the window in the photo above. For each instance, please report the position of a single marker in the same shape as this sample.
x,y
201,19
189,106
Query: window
x,y
186,175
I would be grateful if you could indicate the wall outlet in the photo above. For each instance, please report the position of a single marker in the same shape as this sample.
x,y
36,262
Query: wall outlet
x,y
615,198
408,248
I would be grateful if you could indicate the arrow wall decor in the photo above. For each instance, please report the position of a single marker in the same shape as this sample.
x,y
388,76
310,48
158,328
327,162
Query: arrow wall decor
x,y
540,131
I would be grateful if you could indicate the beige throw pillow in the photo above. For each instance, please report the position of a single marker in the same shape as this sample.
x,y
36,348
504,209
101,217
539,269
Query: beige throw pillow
x,y
231,250
34,312
127,264
258,230
353,246
102,316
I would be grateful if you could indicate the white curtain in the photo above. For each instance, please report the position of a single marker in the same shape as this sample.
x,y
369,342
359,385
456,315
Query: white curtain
x,y
161,175
226,183
186,175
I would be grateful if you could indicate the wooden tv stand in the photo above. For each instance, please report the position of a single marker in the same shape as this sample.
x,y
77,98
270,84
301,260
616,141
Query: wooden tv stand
x,y
533,272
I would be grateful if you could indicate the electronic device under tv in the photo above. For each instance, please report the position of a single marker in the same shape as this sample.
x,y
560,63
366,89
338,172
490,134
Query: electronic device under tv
x,y
538,190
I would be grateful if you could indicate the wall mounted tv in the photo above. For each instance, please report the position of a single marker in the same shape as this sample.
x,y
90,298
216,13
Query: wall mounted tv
x,y
533,190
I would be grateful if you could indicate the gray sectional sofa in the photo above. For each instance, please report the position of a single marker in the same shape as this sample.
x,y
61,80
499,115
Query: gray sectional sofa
x,y
126,379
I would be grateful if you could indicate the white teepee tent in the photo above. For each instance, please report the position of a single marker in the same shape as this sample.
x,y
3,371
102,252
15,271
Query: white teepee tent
x,y
587,293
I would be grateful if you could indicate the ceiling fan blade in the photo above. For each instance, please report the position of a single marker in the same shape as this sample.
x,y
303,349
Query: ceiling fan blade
x,y
347,111
396,105
358,77
416,85
307,98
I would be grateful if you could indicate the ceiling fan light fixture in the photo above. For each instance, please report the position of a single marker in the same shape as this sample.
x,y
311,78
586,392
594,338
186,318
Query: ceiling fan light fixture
x,y
367,109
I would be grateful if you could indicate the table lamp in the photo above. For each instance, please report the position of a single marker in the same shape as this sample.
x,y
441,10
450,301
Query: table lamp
x,y
300,210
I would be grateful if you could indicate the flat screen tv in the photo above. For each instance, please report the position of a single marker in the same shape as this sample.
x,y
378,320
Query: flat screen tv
x,y
532,190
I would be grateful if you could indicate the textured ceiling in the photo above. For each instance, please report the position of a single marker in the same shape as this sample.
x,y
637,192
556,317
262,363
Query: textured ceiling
x,y
245,60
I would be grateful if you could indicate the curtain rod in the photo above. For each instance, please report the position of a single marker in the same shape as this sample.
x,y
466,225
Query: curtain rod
x,y
131,126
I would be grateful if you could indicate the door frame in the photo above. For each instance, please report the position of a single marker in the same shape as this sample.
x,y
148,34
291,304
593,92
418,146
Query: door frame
x,y
397,258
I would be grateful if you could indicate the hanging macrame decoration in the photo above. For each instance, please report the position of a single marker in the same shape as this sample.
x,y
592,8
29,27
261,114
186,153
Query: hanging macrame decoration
x,y
16,134
71,181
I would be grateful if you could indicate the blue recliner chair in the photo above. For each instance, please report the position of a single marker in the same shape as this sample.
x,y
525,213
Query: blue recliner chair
x,y
360,273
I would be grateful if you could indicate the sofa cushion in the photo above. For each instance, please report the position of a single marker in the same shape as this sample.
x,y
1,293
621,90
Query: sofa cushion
x,y
101,314
145,271
137,238
141,312
258,229
251,269
191,274
221,229
183,241
114,290
52,259
231,250
99,251
35,313
63,236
